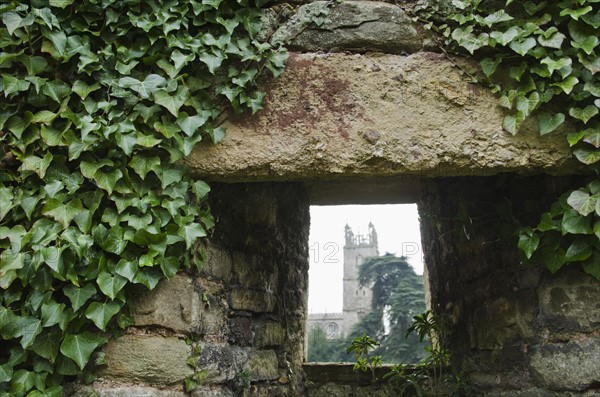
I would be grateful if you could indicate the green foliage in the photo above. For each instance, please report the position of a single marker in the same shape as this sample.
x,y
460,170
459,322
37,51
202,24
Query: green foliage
x,y
361,346
100,101
399,293
322,348
428,377
191,382
542,58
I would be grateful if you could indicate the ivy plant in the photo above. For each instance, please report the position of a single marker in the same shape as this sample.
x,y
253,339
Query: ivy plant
x,y
542,59
100,100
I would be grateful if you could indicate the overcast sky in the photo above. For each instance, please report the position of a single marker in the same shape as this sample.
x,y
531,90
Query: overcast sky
x,y
397,229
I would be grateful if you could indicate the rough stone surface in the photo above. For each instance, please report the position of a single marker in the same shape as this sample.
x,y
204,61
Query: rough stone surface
x,y
252,300
322,115
568,366
263,365
572,301
150,359
125,391
222,362
358,26
271,334
173,304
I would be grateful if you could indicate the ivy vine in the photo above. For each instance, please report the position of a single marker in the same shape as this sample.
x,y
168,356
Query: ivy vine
x,y
101,99
541,57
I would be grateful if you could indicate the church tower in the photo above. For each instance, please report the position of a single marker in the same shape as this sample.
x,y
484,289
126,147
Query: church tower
x,y
357,299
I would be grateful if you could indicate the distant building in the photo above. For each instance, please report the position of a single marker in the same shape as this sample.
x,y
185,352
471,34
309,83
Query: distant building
x,y
357,299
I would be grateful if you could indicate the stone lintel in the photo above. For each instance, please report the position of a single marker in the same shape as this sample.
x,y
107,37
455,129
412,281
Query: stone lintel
x,y
332,116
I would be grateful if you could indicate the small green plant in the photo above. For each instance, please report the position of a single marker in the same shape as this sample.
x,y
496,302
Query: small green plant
x,y
243,379
428,378
360,346
194,380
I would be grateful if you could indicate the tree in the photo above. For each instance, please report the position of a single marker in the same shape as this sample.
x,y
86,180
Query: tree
x,y
326,350
398,295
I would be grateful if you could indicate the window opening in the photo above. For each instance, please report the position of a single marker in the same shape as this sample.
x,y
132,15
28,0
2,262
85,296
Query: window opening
x,y
386,238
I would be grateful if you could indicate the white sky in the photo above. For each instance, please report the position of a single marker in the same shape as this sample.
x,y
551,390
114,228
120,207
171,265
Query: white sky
x,y
397,227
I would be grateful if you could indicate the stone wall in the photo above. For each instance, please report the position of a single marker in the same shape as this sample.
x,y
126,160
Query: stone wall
x,y
367,111
246,310
516,330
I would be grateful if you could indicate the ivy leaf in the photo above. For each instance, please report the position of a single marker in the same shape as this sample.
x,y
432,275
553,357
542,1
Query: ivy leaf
x,y
172,102
63,213
191,124
592,20
79,347
522,47
587,155
27,328
574,223
497,17
37,165
592,266
12,21
213,3
114,242
505,38
6,201
582,202
151,84
52,313
78,296
107,180
57,90
567,84
584,114
489,66
127,269
110,285
6,373
142,164
61,3
126,142
102,313
191,233
575,13
510,124
553,259
548,123
590,63
528,242
592,136
148,277
212,61
579,250
555,40
556,64
83,90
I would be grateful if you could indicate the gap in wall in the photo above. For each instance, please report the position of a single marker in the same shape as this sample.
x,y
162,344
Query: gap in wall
x,y
366,231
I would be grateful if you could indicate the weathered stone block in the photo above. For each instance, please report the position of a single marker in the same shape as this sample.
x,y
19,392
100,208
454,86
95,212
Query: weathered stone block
x,y
263,365
222,362
218,261
150,359
360,26
502,320
252,300
270,334
567,366
125,391
207,391
241,331
573,297
173,304
431,122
